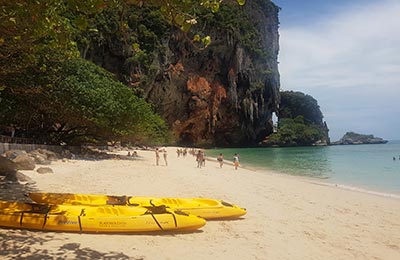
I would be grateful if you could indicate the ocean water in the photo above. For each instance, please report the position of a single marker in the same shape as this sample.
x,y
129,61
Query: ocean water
x,y
369,167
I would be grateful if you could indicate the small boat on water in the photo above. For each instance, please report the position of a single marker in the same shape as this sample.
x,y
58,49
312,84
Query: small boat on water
x,y
89,219
201,207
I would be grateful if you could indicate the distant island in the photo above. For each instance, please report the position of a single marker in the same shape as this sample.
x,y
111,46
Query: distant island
x,y
354,138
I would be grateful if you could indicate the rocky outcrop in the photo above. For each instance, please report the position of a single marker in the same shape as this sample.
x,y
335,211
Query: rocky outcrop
x,y
8,169
354,138
24,162
7,166
223,95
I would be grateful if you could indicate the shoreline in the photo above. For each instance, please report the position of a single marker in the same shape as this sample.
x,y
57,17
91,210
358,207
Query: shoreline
x,y
329,183
381,180
287,217
318,181
358,189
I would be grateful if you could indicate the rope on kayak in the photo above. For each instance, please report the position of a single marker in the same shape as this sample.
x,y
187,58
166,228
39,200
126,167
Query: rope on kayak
x,y
79,219
128,202
20,220
176,223
45,217
162,209
36,208
80,224
158,224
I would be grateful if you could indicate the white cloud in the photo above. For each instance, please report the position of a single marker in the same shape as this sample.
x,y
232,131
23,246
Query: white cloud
x,y
351,60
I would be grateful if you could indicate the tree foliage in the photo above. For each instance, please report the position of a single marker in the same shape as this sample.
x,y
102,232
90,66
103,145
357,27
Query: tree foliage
x,y
294,132
295,104
46,92
84,105
237,23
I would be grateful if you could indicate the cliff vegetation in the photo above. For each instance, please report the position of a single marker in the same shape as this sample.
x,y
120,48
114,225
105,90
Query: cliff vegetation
x,y
50,92
220,95
300,122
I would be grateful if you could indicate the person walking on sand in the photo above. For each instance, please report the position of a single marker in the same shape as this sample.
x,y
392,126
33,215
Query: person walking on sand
x,y
165,157
157,156
199,159
236,161
220,159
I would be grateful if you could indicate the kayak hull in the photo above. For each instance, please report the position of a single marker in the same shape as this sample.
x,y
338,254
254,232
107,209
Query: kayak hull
x,y
201,207
89,219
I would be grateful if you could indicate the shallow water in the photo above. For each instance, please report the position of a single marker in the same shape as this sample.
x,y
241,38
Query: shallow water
x,y
365,166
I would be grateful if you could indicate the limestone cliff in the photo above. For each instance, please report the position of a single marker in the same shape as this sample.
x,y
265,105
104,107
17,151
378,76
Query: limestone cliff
x,y
223,95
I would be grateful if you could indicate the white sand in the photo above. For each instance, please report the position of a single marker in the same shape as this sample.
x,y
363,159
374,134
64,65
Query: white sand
x,y
288,218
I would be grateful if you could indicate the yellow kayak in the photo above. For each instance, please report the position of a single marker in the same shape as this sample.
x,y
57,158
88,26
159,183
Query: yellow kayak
x,y
87,218
201,207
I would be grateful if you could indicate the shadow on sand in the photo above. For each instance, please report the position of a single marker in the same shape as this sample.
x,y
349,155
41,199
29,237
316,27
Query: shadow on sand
x,y
14,191
23,244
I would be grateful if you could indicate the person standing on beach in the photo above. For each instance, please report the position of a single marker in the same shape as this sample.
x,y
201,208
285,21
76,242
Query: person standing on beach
x,y
199,158
165,157
157,156
236,161
220,159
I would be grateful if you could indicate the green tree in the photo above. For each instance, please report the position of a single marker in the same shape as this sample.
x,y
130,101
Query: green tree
x,y
300,121
294,132
85,105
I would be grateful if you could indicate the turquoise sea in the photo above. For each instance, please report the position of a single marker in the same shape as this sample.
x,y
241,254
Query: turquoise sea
x,y
368,167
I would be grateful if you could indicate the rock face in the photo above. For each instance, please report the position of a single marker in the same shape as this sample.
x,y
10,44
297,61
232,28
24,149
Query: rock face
x,y
354,138
224,95
7,166
24,162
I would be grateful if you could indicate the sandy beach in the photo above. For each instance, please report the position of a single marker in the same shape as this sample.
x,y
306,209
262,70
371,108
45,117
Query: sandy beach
x,y
287,217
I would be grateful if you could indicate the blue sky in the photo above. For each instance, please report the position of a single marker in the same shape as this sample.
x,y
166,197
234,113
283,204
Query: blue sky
x,y
346,54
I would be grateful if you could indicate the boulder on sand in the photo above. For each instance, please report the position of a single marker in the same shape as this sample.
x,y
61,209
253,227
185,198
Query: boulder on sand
x,y
7,166
24,162
12,154
44,170
49,155
8,169
39,158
